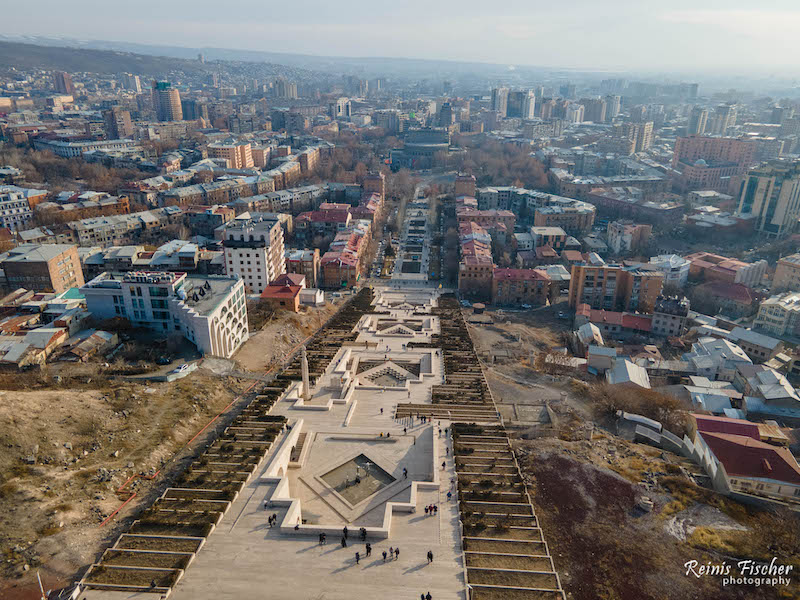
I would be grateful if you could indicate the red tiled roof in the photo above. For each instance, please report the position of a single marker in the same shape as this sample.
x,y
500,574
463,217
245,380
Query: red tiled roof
x,y
743,456
610,317
712,424
637,322
280,292
572,255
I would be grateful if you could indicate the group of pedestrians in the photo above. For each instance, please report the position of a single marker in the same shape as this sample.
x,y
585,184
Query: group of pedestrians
x,y
431,509
272,520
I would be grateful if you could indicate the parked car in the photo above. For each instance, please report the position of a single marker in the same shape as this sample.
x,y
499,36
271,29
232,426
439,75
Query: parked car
x,y
181,369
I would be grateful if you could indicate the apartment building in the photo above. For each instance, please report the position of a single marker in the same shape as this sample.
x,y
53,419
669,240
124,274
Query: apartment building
x,y
779,315
612,287
772,193
714,150
237,155
15,210
669,316
327,221
116,230
787,274
574,217
42,267
208,311
522,286
626,236
166,101
495,221
464,185
305,262
554,237
204,220
675,268
254,251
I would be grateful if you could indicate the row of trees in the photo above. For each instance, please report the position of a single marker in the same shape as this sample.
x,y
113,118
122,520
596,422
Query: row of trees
x,y
67,173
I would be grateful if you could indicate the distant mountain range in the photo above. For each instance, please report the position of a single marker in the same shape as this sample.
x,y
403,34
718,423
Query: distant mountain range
x,y
25,56
360,66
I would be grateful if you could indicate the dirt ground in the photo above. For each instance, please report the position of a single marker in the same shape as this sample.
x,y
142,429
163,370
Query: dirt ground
x,y
520,332
280,335
604,547
66,450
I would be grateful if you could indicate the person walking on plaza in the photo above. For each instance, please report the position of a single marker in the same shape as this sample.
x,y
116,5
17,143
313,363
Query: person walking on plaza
x,y
430,556
384,556
369,549
396,553
344,542
344,531
405,473
358,558
428,596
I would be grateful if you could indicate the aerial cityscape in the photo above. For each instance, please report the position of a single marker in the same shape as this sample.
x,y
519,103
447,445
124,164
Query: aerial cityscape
x,y
438,301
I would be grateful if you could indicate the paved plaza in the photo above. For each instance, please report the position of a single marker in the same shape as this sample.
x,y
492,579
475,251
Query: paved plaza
x,y
347,415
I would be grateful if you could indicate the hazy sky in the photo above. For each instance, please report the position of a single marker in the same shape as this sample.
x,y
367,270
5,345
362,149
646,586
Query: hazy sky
x,y
603,34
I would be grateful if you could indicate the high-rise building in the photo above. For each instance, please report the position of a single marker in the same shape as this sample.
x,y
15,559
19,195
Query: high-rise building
x,y
500,101
567,90
639,133
341,109
780,114
613,106
166,102
574,113
238,156
118,123
132,82
521,104
698,120
772,193
63,83
284,89
194,109
548,108
388,119
724,118
594,109
254,251
446,115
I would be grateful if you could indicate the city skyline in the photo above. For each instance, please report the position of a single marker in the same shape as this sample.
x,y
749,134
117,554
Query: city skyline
x,y
621,36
